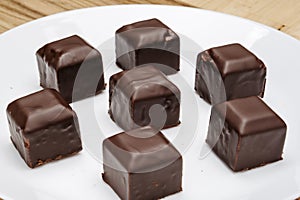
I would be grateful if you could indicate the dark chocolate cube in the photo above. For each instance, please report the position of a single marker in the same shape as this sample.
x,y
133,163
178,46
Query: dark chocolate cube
x,y
72,67
142,164
143,96
43,127
145,42
245,133
229,72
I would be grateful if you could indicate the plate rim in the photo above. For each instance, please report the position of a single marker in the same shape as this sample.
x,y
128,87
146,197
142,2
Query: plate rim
x,y
152,6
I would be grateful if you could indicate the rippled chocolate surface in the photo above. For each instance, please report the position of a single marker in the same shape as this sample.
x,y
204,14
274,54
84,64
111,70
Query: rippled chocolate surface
x,y
246,133
229,72
72,67
133,93
148,41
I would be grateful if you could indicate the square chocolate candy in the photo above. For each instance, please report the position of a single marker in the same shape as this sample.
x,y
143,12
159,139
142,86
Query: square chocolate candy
x,y
72,67
43,127
148,41
143,96
245,133
229,72
142,164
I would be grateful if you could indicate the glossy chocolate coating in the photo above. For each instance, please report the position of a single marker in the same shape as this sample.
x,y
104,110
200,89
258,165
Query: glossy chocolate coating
x,y
132,93
71,59
229,72
252,134
43,127
142,164
145,42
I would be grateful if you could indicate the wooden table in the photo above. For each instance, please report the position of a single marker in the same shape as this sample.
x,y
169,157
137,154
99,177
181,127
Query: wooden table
x,y
283,15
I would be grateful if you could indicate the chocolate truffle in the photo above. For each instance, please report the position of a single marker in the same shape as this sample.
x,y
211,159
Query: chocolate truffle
x,y
145,42
43,127
72,67
143,96
142,164
245,133
229,72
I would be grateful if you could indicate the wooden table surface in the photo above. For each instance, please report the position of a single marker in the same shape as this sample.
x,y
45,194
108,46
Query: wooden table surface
x,y
283,15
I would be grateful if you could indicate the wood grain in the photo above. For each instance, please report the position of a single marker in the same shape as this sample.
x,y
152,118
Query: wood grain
x,y
283,15
16,12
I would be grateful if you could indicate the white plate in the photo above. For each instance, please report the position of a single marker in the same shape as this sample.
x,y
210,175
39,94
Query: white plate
x,y
205,176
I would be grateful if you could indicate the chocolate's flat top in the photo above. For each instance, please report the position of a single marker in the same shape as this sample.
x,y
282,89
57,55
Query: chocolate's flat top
x,y
148,33
39,110
144,149
143,24
144,83
65,52
234,58
250,115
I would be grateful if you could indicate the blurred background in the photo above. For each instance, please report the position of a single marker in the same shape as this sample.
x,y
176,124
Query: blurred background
x,y
283,15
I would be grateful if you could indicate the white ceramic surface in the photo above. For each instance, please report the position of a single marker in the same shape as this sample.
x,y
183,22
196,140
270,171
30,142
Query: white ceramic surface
x,y
205,176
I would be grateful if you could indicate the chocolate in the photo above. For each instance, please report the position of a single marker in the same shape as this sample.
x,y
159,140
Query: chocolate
x,y
72,67
43,127
229,72
142,164
145,42
143,96
245,133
